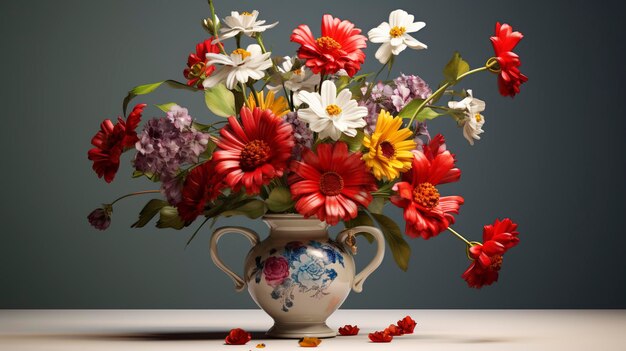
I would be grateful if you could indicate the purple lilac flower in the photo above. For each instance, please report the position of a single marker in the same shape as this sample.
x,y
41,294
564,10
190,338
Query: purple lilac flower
x,y
408,88
180,117
422,136
301,133
100,218
172,189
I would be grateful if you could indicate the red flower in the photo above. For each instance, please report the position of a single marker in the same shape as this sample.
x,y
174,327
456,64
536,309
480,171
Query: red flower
x,y
238,336
394,330
202,184
111,141
347,330
197,69
255,153
339,47
498,238
425,212
380,336
276,270
510,78
436,146
407,324
331,183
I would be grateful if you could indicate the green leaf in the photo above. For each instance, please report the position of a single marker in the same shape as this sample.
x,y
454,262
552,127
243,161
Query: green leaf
x,y
220,100
377,204
361,219
169,218
425,113
210,148
455,67
279,200
251,208
354,143
148,212
166,107
148,88
393,235
153,177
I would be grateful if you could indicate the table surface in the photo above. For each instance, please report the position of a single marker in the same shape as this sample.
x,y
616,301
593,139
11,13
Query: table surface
x,y
528,330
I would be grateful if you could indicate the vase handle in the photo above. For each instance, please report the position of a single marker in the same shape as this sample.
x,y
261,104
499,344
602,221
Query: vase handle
x,y
217,234
346,237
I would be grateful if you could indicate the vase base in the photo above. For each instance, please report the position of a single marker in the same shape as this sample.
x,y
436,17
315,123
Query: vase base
x,y
300,330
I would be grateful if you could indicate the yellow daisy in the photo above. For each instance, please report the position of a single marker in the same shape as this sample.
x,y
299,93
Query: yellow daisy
x,y
279,106
389,147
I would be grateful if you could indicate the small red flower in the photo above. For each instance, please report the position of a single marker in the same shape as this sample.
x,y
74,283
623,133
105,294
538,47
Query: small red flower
x,y
254,152
498,238
331,183
427,213
197,69
394,330
238,336
407,324
339,47
111,141
347,330
202,184
436,146
510,78
380,336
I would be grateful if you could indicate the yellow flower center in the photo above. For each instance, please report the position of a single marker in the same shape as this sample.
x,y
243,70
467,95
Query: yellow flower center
x,y
397,31
327,43
478,117
253,155
246,13
241,52
298,71
333,110
387,149
197,70
331,184
426,195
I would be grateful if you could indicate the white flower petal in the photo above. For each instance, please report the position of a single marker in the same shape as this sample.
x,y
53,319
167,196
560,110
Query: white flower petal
x,y
414,27
314,102
396,50
231,80
329,93
413,43
216,78
343,99
219,59
383,54
380,34
397,18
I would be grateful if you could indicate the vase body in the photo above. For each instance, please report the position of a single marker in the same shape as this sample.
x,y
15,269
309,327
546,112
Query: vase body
x,y
298,275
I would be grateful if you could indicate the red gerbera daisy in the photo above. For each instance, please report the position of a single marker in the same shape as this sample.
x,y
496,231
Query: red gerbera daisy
x,y
202,185
331,183
339,47
111,141
510,78
197,69
498,238
436,146
425,212
253,153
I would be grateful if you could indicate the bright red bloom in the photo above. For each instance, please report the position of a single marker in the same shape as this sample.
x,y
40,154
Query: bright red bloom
x,y
347,330
425,212
498,238
380,336
202,185
436,146
510,78
111,141
394,330
407,324
339,47
331,183
253,153
197,69
238,336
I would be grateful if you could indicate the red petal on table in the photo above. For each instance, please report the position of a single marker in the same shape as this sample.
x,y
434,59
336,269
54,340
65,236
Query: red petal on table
x,y
237,336
349,330
380,336
394,330
309,342
407,324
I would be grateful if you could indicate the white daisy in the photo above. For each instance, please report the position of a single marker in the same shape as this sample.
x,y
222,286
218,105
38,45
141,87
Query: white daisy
x,y
473,121
240,66
245,23
395,35
299,79
331,115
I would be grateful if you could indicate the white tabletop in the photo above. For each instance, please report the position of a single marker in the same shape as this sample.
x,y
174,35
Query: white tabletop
x,y
484,330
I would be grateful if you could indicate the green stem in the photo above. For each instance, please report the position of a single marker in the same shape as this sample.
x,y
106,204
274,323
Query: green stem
x,y
460,236
484,68
428,99
238,40
371,86
133,194
254,96
214,19
243,92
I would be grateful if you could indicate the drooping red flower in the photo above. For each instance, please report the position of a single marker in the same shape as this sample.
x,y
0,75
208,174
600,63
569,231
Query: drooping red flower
x,y
394,330
253,153
111,141
510,78
331,183
427,213
197,69
202,185
407,324
436,146
339,47
498,238
238,336
348,330
380,336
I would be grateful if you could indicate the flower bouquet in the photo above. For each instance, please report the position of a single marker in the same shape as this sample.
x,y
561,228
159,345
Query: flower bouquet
x,y
309,134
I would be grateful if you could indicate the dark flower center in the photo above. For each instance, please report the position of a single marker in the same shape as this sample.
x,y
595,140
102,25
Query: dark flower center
x,y
426,195
496,263
331,184
197,70
387,149
327,43
254,154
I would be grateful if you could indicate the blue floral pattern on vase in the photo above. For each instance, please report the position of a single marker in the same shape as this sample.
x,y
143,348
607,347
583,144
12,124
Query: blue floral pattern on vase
x,y
298,270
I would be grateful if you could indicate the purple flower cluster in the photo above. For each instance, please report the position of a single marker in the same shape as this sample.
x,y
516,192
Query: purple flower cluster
x,y
408,88
166,144
301,133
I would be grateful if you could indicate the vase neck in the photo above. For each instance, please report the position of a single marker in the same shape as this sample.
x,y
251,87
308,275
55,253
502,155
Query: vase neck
x,y
294,226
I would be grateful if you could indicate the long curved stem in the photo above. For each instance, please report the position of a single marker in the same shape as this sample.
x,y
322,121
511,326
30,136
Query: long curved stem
x,y
459,236
136,193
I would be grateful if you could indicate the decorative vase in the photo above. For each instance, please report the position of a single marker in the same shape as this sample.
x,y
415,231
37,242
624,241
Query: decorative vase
x,y
298,275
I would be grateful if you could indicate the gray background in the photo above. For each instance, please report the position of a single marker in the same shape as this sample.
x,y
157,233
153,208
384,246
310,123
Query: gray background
x,y
551,158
